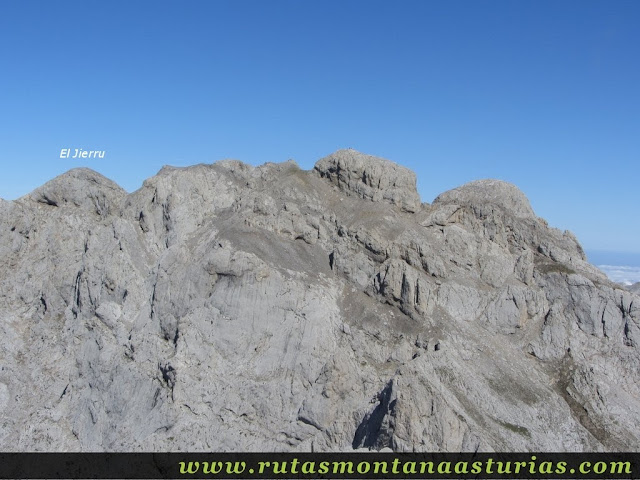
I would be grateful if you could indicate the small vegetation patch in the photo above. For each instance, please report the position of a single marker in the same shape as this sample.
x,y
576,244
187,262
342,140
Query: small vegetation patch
x,y
555,268
515,428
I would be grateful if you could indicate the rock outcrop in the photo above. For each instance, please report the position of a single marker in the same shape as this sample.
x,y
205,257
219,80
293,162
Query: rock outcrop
x,y
482,193
371,177
227,307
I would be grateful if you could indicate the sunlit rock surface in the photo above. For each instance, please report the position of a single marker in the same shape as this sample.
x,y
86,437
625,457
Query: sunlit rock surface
x,y
226,307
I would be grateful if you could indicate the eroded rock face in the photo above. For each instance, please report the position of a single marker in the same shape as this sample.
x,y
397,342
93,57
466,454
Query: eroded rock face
x,y
82,188
371,177
482,193
227,307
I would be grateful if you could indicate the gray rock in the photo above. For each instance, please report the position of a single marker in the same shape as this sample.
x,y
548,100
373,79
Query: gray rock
x,y
230,307
371,177
81,188
482,193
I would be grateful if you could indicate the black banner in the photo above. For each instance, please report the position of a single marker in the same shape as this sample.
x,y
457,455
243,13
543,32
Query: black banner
x,y
320,465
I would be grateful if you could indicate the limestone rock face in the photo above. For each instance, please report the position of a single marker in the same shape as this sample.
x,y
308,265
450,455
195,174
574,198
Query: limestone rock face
x,y
82,188
481,193
238,308
371,177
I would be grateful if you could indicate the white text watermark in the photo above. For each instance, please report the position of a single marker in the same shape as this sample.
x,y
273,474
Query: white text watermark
x,y
81,153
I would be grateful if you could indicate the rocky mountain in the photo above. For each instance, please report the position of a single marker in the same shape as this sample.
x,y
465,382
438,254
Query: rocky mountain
x,y
234,308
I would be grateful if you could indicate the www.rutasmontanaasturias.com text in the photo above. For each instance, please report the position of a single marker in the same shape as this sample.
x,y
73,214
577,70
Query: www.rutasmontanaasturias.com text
x,y
399,467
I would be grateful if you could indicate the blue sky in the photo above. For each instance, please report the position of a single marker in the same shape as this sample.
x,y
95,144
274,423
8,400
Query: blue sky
x,y
544,94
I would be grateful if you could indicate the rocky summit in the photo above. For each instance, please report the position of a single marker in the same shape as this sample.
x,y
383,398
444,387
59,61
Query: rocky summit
x,y
227,307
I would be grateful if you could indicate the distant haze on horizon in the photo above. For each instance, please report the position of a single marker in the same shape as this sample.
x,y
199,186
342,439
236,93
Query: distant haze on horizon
x,y
620,267
540,94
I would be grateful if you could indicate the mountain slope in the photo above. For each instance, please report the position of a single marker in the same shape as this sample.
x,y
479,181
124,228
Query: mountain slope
x,y
227,307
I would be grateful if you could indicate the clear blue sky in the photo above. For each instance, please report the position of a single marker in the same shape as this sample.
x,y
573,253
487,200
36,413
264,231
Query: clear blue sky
x,y
544,94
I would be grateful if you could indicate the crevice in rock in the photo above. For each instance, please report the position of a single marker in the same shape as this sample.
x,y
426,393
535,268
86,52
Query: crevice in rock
x,y
176,337
169,375
47,201
77,302
153,297
43,302
377,428
604,326
64,392
404,290
142,223
155,398
308,421
166,220
628,341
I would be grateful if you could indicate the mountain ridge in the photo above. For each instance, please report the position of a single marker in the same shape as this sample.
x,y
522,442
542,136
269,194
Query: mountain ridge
x,y
232,307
